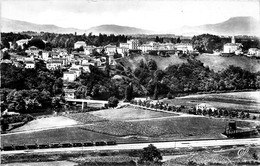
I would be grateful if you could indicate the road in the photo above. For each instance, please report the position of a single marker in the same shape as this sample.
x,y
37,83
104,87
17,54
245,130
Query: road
x,y
160,145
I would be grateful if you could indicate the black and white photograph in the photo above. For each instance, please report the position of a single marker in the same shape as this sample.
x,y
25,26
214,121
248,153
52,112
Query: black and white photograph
x,y
130,82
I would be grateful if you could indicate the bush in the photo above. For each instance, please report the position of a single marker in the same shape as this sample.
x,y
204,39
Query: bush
x,y
113,102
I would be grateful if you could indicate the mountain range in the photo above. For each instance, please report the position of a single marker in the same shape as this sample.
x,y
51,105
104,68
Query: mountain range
x,y
232,26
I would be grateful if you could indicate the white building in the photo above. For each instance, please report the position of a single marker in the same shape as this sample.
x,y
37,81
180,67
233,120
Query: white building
x,y
110,49
29,64
145,47
89,50
54,64
69,76
122,50
69,93
133,44
45,55
204,106
185,47
231,47
33,51
22,42
125,45
79,44
253,52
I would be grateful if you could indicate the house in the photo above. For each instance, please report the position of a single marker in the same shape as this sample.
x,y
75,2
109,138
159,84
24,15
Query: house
x,y
32,51
69,93
124,45
22,42
29,64
45,55
110,49
122,50
76,69
184,47
69,76
79,44
204,106
253,52
145,47
53,64
89,50
133,44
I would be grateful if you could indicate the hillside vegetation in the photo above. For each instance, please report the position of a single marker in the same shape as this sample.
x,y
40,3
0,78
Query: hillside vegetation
x,y
215,62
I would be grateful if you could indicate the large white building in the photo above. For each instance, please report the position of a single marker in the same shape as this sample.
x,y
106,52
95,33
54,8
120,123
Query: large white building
x,y
69,76
79,44
133,44
185,47
110,49
145,47
232,47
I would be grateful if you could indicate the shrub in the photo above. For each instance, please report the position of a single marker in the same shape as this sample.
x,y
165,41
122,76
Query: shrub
x,y
112,102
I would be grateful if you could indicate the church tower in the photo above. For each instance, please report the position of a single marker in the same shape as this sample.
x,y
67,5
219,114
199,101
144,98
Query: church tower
x,y
233,40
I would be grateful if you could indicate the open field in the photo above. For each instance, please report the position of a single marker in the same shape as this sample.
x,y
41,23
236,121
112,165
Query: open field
x,y
46,123
72,134
130,113
235,100
176,127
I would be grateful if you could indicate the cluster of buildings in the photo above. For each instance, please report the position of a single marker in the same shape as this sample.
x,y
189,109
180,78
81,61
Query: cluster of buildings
x,y
236,48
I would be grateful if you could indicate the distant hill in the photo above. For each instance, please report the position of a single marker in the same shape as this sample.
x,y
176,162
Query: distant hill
x,y
116,29
8,25
232,26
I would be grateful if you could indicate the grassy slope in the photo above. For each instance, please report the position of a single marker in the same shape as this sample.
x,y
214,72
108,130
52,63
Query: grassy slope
x,y
214,62
129,113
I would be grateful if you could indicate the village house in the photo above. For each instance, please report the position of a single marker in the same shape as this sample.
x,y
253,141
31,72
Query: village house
x,y
184,47
145,47
124,45
69,93
29,64
69,76
33,51
79,44
133,44
110,49
22,42
53,64
122,50
89,50
76,69
45,55
253,52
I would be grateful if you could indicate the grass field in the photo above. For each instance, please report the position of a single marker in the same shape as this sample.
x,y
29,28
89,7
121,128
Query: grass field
x,y
71,134
130,113
45,123
177,127
85,117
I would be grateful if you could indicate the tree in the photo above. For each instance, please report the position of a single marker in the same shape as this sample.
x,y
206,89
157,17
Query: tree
x,y
112,102
6,55
152,65
129,92
151,154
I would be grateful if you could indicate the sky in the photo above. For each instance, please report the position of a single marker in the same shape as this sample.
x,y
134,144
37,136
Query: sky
x,y
156,15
